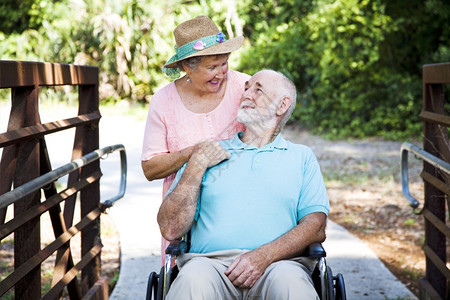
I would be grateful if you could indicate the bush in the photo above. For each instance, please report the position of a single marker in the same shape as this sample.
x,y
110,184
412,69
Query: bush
x,y
355,75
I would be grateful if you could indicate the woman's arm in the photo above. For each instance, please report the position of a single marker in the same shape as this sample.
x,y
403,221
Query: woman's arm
x,y
162,165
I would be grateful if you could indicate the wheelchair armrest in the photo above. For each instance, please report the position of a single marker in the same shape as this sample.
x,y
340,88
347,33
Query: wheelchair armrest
x,y
315,250
176,247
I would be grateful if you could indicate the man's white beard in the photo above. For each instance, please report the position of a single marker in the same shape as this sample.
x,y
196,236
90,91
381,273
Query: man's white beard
x,y
253,118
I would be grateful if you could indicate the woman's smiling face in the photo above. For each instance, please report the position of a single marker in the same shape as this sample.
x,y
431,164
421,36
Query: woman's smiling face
x,y
210,73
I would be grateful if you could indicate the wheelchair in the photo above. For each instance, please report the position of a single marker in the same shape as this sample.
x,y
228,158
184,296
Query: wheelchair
x,y
328,287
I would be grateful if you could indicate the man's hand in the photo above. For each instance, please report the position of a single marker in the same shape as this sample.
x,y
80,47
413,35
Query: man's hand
x,y
209,153
247,269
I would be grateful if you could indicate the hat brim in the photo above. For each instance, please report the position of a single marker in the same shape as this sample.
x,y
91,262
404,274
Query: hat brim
x,y
221,48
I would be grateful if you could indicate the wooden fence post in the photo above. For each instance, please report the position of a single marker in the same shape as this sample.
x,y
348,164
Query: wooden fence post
x,y
27,237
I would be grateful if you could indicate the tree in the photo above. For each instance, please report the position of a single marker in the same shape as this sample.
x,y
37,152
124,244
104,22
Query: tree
x,y
356,64
17,16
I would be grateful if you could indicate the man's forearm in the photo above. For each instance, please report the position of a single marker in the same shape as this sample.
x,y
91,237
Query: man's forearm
x,y
311,229
177,211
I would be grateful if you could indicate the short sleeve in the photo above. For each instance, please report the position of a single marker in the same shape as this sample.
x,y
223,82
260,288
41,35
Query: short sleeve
x,y
313,196
155,133
176,180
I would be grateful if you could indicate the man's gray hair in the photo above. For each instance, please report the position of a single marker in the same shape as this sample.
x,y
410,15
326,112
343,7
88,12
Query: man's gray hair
x,y
287,89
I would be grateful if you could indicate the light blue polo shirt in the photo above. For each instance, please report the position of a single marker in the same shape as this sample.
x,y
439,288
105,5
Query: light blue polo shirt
x,y
256,196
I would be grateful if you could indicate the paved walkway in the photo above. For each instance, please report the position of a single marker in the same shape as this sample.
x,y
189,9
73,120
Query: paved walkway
x,y
135,217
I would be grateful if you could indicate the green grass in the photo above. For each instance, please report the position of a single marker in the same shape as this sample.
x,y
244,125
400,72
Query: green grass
x,y
113,281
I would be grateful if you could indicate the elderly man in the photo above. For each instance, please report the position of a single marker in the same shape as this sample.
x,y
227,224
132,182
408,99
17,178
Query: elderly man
x,y
253,204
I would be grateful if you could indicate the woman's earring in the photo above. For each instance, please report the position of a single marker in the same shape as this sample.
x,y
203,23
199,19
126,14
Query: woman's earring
x,y
187,78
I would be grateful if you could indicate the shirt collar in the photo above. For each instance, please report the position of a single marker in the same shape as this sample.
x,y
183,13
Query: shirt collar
x,y
236,144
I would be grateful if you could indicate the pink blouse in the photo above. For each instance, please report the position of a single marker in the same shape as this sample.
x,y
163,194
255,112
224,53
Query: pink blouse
x,y
171,126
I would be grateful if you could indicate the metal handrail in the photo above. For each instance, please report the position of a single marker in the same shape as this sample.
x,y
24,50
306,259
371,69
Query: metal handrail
x,y
429,158
43,180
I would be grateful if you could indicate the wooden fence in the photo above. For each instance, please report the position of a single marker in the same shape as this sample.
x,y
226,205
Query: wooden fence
x,y
436,123
25,159
436,176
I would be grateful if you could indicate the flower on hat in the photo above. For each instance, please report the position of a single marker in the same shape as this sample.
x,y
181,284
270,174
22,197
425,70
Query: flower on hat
x,y
220,37
199,45
199,37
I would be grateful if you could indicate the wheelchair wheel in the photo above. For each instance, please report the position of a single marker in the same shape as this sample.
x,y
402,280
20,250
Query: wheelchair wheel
x,y
340,287
174,274
330,284
152,286
160,289
317,282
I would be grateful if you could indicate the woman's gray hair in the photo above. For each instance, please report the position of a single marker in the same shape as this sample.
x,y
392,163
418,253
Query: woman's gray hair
x,y
193,62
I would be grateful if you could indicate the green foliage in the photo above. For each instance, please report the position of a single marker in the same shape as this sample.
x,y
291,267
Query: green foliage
x,y
422,34
127,39
278,38
19,15
356,63
409,222
356,95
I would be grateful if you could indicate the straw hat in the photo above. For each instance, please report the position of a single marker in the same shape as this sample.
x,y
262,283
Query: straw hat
x,y
200,37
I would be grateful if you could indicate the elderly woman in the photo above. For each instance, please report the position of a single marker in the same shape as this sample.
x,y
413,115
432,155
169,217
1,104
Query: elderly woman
x,y
200,105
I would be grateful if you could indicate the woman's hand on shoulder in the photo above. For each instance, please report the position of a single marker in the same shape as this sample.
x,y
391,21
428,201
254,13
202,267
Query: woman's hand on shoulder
x,y
209,153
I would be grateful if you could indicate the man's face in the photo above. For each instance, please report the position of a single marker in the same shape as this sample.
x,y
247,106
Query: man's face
x,y
259,100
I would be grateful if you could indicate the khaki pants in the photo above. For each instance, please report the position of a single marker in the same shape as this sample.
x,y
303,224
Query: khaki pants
x,y
202,276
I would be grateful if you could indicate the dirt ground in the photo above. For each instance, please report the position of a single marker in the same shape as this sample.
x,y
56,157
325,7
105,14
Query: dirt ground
x,y
364,185
110,256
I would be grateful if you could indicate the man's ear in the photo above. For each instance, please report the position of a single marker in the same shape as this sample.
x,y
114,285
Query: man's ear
x,y
283,105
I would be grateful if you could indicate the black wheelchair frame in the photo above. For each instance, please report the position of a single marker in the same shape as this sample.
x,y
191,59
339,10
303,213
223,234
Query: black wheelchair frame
x,y
328,287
